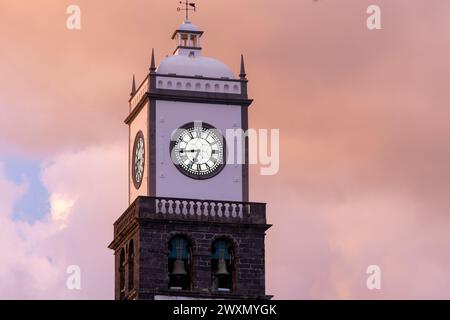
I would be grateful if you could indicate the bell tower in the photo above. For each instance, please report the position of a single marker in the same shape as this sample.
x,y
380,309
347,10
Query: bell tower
x,y
190,231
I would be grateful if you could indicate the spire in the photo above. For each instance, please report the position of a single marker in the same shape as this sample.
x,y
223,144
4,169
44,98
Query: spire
x,y
243,75
133,86
152,64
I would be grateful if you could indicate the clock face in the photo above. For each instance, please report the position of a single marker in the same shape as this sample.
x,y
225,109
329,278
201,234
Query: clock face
x,y
138,163
198,150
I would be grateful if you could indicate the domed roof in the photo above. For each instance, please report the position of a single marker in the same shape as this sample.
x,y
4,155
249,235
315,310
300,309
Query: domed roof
x,y
188,26
183,65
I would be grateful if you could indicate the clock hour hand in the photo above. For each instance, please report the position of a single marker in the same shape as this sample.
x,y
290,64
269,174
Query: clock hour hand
x,y
196,155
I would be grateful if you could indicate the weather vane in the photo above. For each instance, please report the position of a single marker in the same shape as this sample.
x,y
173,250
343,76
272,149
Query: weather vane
x,y
188,6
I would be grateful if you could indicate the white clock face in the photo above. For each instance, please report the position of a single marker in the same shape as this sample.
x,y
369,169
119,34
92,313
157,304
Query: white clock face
x,y
138,160
198,150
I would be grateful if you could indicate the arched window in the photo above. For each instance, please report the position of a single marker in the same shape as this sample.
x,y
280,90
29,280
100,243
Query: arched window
x,y
131,266
222,265
122,273
179,264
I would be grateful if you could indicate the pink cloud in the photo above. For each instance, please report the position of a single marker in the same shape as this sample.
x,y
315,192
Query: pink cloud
x,y
23,272
77,231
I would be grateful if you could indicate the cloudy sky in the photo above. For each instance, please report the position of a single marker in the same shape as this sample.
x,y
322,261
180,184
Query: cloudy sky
x,y
363,116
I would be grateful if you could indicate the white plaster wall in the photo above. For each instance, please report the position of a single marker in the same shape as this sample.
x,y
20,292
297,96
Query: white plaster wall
x,y
140,123
170,182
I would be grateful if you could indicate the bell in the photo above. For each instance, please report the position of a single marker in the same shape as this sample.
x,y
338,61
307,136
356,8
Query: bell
x,y
222,268
178,268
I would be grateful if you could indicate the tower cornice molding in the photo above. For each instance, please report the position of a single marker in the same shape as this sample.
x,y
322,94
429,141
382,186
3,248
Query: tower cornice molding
x,y
186,31
187,96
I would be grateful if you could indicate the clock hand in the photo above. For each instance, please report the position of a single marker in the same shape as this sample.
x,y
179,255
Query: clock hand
x,y
196,155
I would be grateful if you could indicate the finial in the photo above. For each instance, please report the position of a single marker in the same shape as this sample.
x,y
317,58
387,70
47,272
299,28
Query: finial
x,y
133,86
243,75
152,64
189,6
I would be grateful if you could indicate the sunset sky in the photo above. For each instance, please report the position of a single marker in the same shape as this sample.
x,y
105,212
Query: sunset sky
x,y
364,138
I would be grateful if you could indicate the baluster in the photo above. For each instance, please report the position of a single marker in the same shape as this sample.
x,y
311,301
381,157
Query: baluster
x,y
227,210
199,208
187,208
218,210
164,206
238,210
233,210
169,207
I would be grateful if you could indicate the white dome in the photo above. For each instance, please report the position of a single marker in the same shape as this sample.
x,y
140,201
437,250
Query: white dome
x,y
188,26
195,66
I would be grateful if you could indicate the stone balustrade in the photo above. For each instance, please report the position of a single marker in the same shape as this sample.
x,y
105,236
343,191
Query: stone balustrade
x,y
192,210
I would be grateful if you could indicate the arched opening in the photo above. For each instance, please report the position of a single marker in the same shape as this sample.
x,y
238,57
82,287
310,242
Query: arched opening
x,y
122,273
222,265
179,264
131,266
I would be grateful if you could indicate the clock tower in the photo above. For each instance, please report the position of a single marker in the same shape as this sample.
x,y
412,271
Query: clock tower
x,y
190,231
